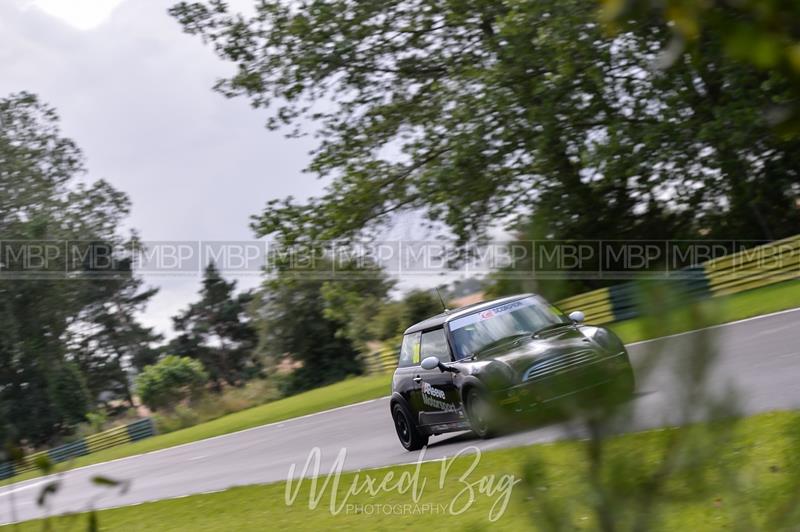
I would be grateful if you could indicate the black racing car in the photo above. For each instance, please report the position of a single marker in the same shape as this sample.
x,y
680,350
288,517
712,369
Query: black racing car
x,y
467,368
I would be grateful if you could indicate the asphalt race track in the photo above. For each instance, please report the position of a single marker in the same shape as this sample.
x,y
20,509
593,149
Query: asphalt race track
x,y
758,365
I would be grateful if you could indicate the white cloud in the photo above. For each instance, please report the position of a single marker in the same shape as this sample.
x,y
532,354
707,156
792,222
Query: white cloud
x,y
80,14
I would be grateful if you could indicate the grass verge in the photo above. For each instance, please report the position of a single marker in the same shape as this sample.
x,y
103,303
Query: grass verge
x,y
737,474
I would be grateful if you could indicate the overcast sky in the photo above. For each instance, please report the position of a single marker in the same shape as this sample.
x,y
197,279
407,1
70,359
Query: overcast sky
x,y
135,93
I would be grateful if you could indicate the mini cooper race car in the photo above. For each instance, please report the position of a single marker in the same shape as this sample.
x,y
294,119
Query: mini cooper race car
x,y
472,367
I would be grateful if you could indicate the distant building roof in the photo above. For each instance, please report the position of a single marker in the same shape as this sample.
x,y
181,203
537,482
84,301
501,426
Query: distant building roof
x,y
469,299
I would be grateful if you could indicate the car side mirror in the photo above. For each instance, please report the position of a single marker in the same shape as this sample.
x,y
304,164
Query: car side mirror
x,y
577,316
430,363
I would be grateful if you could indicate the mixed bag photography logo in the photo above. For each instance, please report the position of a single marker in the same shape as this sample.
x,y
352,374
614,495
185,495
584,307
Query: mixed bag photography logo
x,y
387,491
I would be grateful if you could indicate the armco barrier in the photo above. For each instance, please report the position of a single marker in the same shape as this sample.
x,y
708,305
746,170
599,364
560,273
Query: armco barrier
x,y
623,301
382,360
596,305
143,428
753,268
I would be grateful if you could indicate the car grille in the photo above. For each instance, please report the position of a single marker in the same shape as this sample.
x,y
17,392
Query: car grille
x,y
559,363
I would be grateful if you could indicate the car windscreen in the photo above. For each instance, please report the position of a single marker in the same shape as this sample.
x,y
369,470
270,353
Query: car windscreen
x,y
474,332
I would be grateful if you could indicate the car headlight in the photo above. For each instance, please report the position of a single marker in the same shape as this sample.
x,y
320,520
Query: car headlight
x,y
498,375
608,340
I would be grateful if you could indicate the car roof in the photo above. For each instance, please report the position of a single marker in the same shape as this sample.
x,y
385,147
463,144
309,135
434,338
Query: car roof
x,y
440,319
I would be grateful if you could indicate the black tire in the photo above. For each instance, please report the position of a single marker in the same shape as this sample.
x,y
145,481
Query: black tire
x,y
481,413
407,431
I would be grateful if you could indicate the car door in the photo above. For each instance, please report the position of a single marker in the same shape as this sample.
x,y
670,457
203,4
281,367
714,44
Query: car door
x,y
407,371
439,400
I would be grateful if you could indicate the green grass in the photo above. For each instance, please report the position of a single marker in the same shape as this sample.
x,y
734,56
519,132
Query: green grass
x,y
342,393
709,312
729,475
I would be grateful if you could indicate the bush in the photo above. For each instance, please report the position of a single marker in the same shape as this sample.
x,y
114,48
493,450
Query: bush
x,y
209,406
170,381
181,417
96,421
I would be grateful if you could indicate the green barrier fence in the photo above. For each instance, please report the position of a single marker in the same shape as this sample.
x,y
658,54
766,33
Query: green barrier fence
x,y
759,266
138,430
382,361
768,264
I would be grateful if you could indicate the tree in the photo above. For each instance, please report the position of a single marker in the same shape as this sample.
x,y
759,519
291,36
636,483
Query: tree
x,y
353,304
754,32
69,395
481,112
389,321
47,290
171,380
420,305
217,331
394,317
110,342
319,317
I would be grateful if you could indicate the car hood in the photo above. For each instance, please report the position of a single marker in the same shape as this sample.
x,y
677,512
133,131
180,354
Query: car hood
x,y
520,355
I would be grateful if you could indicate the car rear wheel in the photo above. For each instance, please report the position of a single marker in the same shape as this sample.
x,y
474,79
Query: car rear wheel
x,y
481,413
407,432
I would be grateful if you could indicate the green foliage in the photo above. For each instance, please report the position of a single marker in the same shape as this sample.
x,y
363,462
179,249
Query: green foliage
x,y
96,421
390,321
394,317
180,416
208,407
352,304
111,337
5,429
171,380
760,33
69,395
216,330
482,112
419,305
316,317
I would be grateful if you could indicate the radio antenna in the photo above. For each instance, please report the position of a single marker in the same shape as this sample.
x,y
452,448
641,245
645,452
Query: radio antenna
x,y
444,307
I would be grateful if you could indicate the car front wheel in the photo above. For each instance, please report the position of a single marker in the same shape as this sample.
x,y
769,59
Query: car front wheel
x,y
407,431
481,413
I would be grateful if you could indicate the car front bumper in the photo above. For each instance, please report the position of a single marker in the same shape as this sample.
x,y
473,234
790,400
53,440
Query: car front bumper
x,y
599,379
